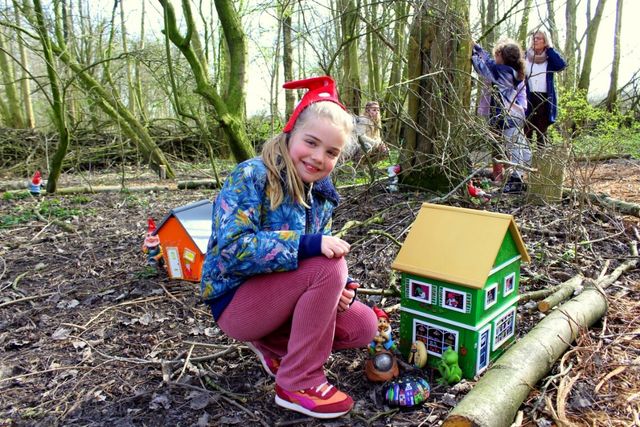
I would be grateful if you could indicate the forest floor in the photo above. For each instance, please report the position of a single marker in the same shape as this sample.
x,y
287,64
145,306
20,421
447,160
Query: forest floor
x,y
88,338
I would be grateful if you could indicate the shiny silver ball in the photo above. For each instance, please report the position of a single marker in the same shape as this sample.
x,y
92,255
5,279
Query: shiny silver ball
x,y
383,362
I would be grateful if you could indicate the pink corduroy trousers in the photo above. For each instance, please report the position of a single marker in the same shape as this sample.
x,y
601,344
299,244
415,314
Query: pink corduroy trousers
x,y
294,315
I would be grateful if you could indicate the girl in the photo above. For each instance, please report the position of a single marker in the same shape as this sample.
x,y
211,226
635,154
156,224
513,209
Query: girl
x,y
505,105
273,275
542,62
368,133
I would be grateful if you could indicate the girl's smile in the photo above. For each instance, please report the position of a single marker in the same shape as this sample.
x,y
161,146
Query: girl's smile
x,y
315,149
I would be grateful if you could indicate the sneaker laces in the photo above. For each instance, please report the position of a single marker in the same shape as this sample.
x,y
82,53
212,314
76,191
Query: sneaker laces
x,y
326,386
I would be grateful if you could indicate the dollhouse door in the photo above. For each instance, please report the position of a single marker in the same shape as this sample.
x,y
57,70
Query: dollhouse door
x,y
483,349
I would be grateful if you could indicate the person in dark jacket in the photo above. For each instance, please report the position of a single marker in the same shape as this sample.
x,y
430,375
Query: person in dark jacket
x,y
542,62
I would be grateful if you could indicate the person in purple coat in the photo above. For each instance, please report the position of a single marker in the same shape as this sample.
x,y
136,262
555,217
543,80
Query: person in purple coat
x,y
542,62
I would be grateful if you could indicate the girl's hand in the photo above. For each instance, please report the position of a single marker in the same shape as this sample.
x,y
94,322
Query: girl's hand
x,y
333,247
348,294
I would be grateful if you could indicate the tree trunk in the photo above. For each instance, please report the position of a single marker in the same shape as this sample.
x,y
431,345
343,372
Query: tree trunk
x,y
545,182
57,97
25,84
612,96
553,28
439,91
287,58
592,35
141,106
351,87
230,109
495,399
492,15
395,95
570,46
14,111
523,29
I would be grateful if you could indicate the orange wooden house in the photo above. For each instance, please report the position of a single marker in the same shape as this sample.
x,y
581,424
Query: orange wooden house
x,y
184,235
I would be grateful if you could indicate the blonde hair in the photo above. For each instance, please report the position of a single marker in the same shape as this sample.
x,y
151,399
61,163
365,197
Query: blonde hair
x,y
282,176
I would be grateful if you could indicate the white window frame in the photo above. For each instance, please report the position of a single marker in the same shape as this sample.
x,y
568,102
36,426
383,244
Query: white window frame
x,y
496,323
413,282
486,295
434,326
443,300
506,292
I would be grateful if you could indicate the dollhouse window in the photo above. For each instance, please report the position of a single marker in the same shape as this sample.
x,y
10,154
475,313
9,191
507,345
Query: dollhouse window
x,y
505,327
436,338
420,291
509,284
454,300
491,296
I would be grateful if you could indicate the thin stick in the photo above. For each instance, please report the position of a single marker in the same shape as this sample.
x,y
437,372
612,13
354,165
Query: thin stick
x,y
15,301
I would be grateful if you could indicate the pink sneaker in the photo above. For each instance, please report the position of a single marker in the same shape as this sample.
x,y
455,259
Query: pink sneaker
x,y
269,365
323,401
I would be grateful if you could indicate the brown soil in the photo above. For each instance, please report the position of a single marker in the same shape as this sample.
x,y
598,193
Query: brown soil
x,y
88,338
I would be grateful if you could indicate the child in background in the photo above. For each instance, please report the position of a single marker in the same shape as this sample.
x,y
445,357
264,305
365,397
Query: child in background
x,y
273,275
504,102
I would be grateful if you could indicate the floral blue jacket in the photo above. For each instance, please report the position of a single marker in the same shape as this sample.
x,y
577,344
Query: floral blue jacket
x,y
249,238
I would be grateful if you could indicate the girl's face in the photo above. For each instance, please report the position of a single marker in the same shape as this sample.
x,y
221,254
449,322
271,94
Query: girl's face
x,y
498,57
373,111
315,149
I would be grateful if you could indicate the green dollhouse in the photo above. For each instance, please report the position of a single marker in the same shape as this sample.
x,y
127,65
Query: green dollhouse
x,y
460,270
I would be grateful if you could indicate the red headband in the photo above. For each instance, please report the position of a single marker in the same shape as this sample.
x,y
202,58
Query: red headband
x,y
320,89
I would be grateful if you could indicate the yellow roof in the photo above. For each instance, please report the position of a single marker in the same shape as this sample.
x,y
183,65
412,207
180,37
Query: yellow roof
x,y
456,245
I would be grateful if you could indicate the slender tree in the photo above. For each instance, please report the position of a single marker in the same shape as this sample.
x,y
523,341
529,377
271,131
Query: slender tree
x,y
287,55
395,95
57,96
351,86
612,96
592,34
229,109
14,117
570,74
25,83
523,29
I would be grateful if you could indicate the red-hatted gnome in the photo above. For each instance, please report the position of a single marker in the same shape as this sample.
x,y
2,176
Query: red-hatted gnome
x,y
384,339
151,246
382,365
477,192
35,184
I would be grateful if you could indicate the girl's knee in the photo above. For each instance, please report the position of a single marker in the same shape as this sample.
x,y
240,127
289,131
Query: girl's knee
x,y
332,271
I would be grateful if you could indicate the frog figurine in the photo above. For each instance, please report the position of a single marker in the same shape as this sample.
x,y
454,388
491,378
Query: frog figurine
x,y
449,368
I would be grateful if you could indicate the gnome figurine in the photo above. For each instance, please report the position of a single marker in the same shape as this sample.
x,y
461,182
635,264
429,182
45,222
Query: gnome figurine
x,y
151,246
35,184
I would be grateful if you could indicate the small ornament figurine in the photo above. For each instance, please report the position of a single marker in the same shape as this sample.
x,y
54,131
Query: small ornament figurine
x,y
418,355
392,173
449,368
35,184
477,192
382,365
407,391
384,339
151,246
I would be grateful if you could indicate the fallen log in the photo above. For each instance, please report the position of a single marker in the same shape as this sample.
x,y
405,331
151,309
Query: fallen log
x,y
496,398
563,293
179,185
621,206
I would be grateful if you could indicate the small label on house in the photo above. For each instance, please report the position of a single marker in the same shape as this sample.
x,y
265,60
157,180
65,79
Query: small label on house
x,y
175,269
